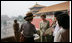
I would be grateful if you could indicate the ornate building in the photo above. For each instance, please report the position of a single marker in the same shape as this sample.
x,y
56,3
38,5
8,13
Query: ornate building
x,y
36,8
48,11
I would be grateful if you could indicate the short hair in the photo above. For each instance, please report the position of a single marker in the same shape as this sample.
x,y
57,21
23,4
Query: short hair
x,y
63,20
57,13
15,20
43,15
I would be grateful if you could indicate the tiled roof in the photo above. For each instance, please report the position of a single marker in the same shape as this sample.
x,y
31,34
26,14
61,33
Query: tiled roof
x,y
57,7
37,5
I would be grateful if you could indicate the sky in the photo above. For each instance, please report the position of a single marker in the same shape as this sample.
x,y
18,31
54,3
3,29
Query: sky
x,y
16,8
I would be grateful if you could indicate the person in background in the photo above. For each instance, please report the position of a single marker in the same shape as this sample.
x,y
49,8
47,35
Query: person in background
x,y
63,34
28,28
16,29
44,25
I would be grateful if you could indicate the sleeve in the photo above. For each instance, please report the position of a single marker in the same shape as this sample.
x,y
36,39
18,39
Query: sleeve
x,y
21,28
34,29
47,26
40,25
57,37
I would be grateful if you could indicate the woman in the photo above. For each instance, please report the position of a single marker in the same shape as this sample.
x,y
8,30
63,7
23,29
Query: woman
x,y
63,34
28,29
44,25
55,26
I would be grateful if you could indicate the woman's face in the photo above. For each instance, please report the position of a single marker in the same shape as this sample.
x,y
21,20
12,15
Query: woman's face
x,y
43,18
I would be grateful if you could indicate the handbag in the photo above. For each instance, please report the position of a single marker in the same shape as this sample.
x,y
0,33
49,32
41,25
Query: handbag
x,y
36,36
22,38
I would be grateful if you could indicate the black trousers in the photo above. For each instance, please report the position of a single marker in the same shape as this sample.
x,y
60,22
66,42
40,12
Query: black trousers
x,y
30,39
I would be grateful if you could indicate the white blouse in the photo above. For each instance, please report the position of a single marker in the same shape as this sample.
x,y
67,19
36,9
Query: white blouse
x,y
57,28
62,36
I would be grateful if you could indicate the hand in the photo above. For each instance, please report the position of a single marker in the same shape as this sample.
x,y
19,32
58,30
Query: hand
x,y
52,29
44,34
22,38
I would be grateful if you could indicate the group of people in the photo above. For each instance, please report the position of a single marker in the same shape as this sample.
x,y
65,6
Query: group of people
x,y
59,28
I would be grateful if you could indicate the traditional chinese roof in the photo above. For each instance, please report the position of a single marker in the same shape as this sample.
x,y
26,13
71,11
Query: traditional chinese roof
x,y
37,5
57,7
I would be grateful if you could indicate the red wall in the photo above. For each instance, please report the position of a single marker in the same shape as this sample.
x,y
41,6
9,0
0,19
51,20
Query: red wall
x,y
36,22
